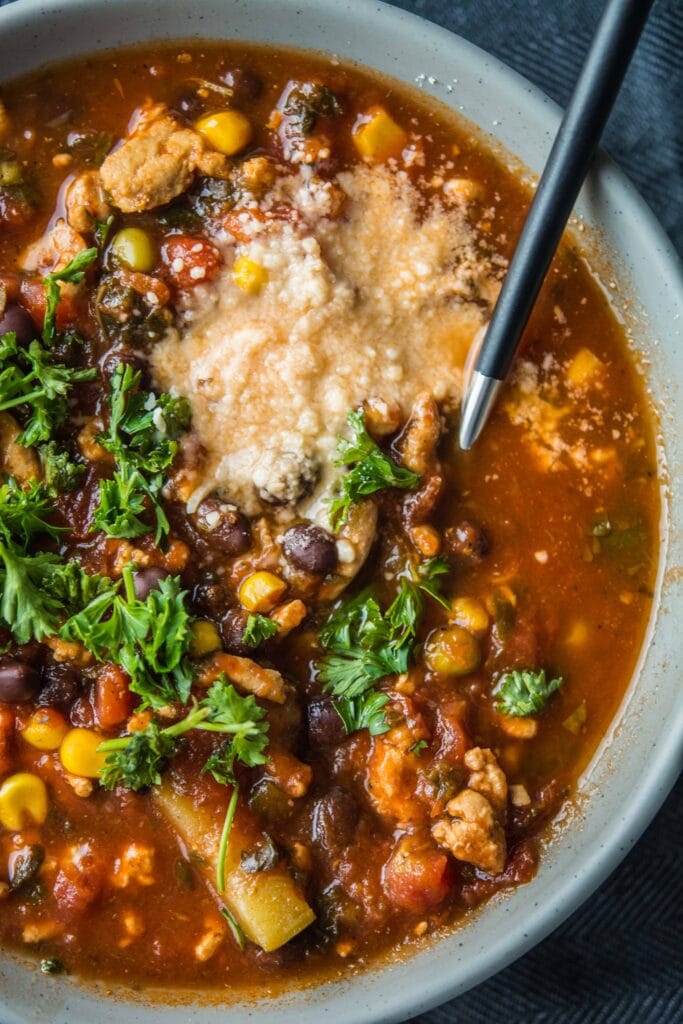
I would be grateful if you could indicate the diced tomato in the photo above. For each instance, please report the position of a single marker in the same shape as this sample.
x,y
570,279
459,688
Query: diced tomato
x,y
79,882
113,699
417,876
32,293
6,736
239,221
145,285
190,260
451,733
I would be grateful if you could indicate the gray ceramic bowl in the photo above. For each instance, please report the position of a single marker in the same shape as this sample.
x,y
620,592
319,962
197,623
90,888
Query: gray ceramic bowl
x,y
638,762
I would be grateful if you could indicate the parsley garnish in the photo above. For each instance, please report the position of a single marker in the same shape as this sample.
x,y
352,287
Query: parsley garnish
x,y
52,965
72,273
142,433
366,645
524,692
102,232
37,589
371,470
28,376
60,472
258,629
237,933
149,638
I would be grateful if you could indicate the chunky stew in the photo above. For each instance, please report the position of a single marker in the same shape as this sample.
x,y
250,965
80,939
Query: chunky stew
x,y
288,681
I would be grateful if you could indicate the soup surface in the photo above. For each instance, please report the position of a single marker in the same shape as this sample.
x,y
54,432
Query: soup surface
x,y
288,681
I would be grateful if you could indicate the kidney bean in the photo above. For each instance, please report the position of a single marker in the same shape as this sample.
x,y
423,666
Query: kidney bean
x,y
232,627
223,527
334,819
17,321
310,548
148,579
325,727
24,864
19,682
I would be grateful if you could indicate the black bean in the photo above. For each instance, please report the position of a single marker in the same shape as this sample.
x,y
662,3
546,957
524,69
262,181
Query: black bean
x,y
245,85
18,682
223,527
232,627
334,819
61,685
24,864
310,548
325,727
467,540
145,580
17,321
122,354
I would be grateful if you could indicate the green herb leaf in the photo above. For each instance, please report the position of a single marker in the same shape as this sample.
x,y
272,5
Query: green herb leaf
x,y
237,933
52,965
28,376
258,629
102,232
28,605
72,273
524,692
364,712
149,638
25,514
372,470
142,433
140,762
60,472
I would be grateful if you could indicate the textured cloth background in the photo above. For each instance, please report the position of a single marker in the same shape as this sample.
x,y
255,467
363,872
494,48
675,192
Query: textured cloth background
x,y
619,959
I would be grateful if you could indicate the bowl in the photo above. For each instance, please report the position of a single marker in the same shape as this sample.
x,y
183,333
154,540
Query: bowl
x,y
638,761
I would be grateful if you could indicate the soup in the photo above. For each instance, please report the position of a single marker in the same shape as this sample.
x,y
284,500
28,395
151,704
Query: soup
x,y
288,680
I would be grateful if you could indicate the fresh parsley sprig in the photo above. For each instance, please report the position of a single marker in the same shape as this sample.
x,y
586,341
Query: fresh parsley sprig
x,y
149,639
142,437
371,470
366,645
30,377
259,628
524,692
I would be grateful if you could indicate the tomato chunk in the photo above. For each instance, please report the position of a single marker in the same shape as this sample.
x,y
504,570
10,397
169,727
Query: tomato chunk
x,y
417,876
190,260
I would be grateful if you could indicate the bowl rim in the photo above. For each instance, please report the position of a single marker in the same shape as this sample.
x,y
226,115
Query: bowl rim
x,y
384,1001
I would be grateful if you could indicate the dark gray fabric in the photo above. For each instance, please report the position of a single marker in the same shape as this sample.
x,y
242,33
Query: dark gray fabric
x,y
545,40
619,959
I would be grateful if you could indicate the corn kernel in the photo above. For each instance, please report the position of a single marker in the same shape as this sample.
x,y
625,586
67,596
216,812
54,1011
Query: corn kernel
x,y
134,248
23,801
79,754
470,613
46,729
583,367
249,276
205,639
379,137
228,131
261,591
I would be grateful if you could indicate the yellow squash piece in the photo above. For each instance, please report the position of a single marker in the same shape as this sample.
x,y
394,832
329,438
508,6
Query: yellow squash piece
x,y
23,801
268,905
379,137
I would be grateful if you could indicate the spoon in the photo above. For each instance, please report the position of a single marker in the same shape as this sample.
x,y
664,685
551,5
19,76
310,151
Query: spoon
x,y
615,40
